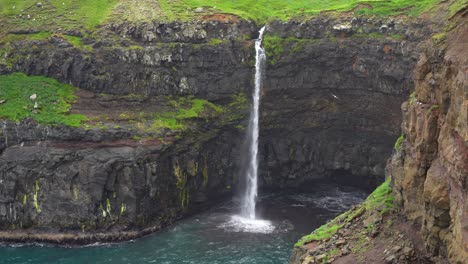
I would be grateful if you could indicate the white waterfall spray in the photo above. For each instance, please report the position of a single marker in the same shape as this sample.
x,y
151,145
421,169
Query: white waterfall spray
x,y
247,221
250,196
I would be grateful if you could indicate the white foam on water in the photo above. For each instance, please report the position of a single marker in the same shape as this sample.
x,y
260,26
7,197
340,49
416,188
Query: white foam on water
x,y
247,225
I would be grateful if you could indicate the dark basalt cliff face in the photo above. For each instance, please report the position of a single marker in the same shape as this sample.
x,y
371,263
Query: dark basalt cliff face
x,y
150,59
331,99
77,182
330,111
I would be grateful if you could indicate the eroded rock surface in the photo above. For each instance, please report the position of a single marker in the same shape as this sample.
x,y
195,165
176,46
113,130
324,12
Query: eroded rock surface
x,y
431,171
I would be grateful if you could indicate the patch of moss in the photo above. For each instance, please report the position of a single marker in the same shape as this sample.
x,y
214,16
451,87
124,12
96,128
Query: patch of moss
x,y
382,196
51,106
42,35
185,108
457,6
324,232
123,208
35,197
432,108
77,42
398,142
413,98
216,41
439,38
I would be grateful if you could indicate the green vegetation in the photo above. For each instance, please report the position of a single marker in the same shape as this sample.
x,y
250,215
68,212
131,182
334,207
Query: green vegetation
x,y
7,54
456,6
439,38
77,42
413,98
108,207
185,108
266,10
398,142
61,13
274,47
43,35
216,41
181,184
380,200
432,108
51,106
123,208
324,232
73,14
35,196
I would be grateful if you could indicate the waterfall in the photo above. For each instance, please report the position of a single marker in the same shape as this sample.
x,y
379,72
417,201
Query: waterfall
x,y
250,196
247,221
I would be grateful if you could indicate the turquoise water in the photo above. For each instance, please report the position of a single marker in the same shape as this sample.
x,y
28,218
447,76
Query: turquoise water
x,y
205,238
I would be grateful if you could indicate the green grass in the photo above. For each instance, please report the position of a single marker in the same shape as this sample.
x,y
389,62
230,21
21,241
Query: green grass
x,y
43,35
75,14
54,100
456,6
65,14
380,199
398,142
216,41
185,108
275,46
77,42
323,232
266,10
382,196
413,98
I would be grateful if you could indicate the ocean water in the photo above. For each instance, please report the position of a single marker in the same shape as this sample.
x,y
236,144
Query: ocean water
x,y
210,237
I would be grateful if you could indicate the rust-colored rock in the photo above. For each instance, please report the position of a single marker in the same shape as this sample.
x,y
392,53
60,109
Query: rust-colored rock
x,y
430,171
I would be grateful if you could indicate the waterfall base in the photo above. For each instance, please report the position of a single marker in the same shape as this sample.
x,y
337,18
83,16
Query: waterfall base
x,y
247,225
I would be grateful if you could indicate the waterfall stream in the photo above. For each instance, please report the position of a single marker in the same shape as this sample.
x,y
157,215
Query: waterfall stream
x,y
248,221
251,192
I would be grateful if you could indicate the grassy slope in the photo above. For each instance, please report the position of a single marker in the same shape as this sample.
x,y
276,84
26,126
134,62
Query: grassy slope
x,y
73,14
265,10
381,199
54,14
53,98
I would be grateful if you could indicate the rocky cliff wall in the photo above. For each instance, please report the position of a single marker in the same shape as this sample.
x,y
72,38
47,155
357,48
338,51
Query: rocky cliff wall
x,y
332,96
329,111
430,169
65,185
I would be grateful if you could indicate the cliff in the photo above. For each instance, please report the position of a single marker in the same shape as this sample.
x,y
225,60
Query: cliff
x,y
150,127
430,169
423,218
